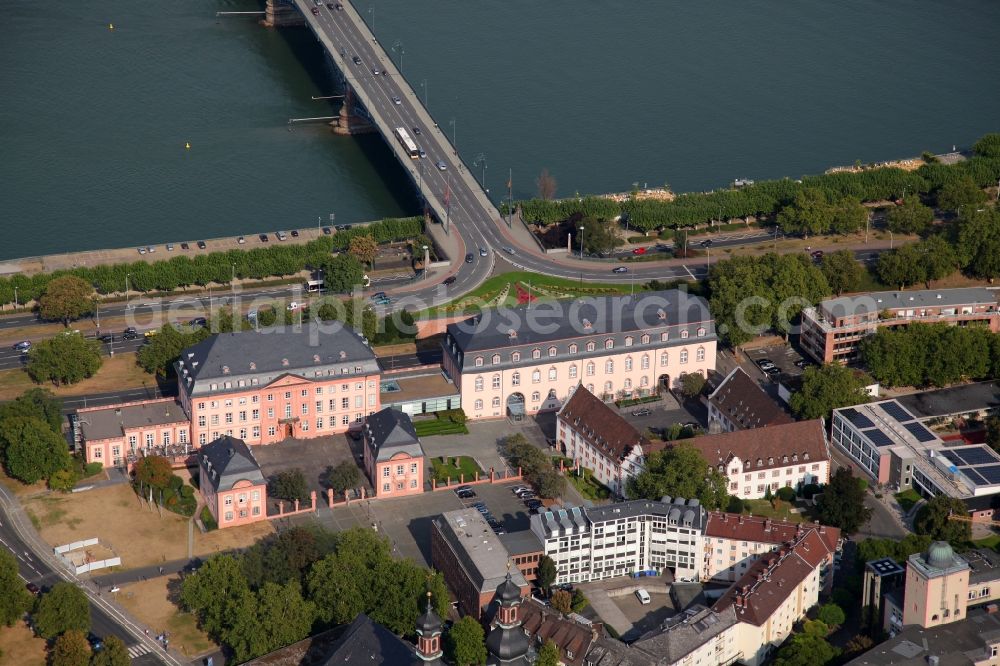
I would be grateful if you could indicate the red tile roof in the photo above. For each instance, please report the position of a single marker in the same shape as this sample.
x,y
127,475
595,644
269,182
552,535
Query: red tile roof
x,y
602,427
772,578
544,624
765,530
765,448
744,403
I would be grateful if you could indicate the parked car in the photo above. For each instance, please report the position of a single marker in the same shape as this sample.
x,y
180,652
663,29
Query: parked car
x,y
185,246
518,489
619,269
281,235
816,254
201,245
241,240
801,363
263,238
34,589
198,321
130,334
170,247
327,231
645,411
764,363
150,333
639,250
533,504
23,346
466,494
150,249
643,596
96,642
706,243
142,250
295,233
107,337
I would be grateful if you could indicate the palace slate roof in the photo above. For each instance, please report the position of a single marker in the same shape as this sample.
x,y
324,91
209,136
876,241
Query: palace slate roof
x,y
602,427
257,358
740,399
389,432
227,461
111,422
797,443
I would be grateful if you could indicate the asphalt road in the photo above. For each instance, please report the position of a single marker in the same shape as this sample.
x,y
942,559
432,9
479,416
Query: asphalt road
x,y
36,567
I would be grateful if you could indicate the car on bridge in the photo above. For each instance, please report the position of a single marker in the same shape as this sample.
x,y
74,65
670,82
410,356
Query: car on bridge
x,y
441,165
416,130
357,60
315,11
421,153
376,71
396,100
619,269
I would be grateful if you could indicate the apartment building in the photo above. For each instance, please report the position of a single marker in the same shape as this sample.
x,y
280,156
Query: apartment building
x,y
622,539
600,439
116,436
526,360
268,385
773,595
231,483
393,456
734,542
759,460
739,403
832,331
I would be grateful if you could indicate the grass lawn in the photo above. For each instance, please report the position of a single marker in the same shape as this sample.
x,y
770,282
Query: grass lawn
x,y
908,498
543,287
588,486
990,542
150,601
19,645
115,374
779,511
118,518
455,466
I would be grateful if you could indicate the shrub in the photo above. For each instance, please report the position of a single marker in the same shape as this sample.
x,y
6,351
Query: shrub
x,y
207,520
63,480
736,505
90,469
786,494
809,490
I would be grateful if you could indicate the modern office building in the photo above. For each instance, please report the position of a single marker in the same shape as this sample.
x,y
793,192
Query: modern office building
x,y
598,438
622,539
393,456
759,460
739,403
831,332
530,359
231,483
268,385
894,448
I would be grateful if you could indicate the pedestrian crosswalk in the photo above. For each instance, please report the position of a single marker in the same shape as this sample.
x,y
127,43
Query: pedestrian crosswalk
x,y
138,650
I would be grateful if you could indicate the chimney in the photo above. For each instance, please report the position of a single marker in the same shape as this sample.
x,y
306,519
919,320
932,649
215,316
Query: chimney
x,y
741,519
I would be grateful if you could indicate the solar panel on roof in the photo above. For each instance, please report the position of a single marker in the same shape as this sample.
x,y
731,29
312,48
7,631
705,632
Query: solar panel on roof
x,y
858,419
990,472
920,432
895,410
977,455
953,457
877,437
974,476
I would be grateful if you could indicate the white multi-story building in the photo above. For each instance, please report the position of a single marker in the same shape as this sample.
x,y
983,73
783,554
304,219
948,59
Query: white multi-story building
x,y
762,459
526,360
598,438
621,539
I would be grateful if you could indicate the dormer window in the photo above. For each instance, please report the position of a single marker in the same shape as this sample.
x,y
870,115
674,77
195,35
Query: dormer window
x,y
572,348
315,358
552,351
496,359
515,357
701,332
479,361
253,366
645,338
225,369
664,336
609,344
684,335
591,346
760,463
512,334
805,456
284,362
536,353
628,340
770,461
587,325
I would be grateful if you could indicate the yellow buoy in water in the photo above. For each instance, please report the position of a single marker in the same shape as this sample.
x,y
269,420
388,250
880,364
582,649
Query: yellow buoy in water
x,y
187,145
111,26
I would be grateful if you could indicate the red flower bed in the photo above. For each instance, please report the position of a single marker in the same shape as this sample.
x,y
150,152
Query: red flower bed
x,y
523,296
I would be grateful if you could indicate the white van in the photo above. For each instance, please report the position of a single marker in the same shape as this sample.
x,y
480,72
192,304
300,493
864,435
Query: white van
x,y
643,596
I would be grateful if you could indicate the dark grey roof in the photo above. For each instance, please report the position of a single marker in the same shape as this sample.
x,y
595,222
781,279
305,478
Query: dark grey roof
x,y
955,400
228,460
984,565
877,301
389,432
368,642
682,634
961,643
508,592
560,522
256,358
428,623
521,542
110,422
687,513
478,549
560,323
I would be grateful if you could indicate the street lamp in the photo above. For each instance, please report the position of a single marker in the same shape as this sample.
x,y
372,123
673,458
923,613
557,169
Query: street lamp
x,y
398,44
481,159
777,229
232,282
890,239
423,84
15,298
454,136
427,260
126,291
581,242
371,10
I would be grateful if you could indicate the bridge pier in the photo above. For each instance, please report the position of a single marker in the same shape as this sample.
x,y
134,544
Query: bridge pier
x,y
349,120
282,14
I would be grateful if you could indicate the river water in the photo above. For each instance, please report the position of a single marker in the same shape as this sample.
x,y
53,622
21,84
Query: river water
x,y
93,122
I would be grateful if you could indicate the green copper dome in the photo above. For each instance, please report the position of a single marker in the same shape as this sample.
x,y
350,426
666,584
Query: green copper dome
x,y
940,555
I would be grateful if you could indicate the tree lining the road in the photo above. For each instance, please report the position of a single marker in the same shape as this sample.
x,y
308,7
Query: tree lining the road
x,y
67,358
31,443
932,180
215,267
931,354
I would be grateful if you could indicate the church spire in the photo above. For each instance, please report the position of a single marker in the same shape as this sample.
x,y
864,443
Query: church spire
x,y
429,635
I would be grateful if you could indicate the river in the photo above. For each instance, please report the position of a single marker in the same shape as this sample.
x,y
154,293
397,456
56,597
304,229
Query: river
x,y
602,94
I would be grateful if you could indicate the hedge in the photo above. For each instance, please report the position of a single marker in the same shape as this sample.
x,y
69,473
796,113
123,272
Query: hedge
x,y
207,520
216,267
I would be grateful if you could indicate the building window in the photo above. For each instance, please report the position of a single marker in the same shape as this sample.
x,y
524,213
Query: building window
x,y
288,395
609,344
701,332
607,387
572,348
664,359
515,379
256,432
288,411
271,431
479,405
591,346
644,363
684,356
149,439
700,354
552,374
628,340
270,412
684,335
385,472
536,376
628,364
496,402
479,383
496,381
552,351
345,403
305,408
201,421
645,338
628,383
515,357
182,436
413,483
496,359
590,369
229,515
202,438
385,487
609,367
572,372
479,361
535,396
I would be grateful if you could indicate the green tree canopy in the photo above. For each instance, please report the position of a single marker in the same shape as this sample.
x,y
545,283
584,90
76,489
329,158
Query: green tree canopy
x,y
562,601
901,267
810,213
979,242
114,653
987,146
806,650
343,476
831,615
548,655
342,273
929,354
546,572
213,592
65,299
680,471
37,402
33,451
962,191
14,599
932,520
62,608
158,354
599,236
912,217
64,359
70,649
843,502
465,643
842,271
289,485
937,257
275,616
692,384
826,388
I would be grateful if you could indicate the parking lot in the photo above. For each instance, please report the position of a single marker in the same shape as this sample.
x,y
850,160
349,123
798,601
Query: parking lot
x,y
312,456
784,357
644,617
